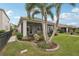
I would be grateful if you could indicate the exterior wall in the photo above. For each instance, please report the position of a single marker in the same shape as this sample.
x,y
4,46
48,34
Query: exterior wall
x,y
28,28
0,20
33,28
19,28
4,21
6,24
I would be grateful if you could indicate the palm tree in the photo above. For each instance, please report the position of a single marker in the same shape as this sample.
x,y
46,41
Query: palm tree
x,y
58,11
29,7
44,9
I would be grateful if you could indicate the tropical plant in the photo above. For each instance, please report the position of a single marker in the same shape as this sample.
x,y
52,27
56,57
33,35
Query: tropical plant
x,y
58,11
44,9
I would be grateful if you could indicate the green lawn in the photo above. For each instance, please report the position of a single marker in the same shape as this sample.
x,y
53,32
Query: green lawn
x,y
69,45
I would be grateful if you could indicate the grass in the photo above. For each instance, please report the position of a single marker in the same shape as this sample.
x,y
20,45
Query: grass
x,y
69,46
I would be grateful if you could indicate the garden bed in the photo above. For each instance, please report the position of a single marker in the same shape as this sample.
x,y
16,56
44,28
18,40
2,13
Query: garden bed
x,y
54,47
48,47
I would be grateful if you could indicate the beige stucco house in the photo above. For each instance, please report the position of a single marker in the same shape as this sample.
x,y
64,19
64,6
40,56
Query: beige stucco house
x,y
4,21
29,27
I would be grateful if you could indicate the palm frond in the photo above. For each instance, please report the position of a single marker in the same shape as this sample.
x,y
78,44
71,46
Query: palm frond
x,y
51,15
35,12
50,6
28,8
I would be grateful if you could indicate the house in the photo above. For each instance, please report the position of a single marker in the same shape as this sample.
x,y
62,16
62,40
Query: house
x,y
4,21
29,27
67,28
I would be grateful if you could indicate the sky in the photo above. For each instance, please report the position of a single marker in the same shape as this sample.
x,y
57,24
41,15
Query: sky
x,y
69,15
14,11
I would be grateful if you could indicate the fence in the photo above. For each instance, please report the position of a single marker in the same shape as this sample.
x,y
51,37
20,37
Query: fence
x,y
4,37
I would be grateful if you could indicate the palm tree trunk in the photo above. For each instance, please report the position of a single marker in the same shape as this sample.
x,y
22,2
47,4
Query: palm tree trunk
x,y
45,27
53,34
55,27
45,30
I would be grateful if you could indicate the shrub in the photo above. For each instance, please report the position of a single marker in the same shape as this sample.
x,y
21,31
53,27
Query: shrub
x,y
61,31
71,32
19,35
41,37
38,37
2,31
43,45
77,31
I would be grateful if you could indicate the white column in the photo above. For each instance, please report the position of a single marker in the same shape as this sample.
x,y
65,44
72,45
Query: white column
x,y
67,30
24,28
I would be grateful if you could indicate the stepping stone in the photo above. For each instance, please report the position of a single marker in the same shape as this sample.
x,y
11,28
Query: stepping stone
x,y
23,51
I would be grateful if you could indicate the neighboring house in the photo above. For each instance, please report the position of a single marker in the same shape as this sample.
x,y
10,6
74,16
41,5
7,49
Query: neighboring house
x,y
67,28
29,27
4,21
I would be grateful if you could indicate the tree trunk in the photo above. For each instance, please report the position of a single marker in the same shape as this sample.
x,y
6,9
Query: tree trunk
x,y
45,27
45,31
53,34
55,27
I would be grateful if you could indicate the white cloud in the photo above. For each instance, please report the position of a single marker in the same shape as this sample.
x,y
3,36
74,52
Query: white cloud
x,y
66,16
9,12
73,14
16,19
72,23
75,10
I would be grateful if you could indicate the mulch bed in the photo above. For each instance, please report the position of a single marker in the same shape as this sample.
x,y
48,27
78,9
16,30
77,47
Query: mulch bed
x,y
53,45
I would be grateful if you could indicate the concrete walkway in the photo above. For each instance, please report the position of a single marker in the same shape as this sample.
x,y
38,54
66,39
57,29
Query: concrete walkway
x,y
12,39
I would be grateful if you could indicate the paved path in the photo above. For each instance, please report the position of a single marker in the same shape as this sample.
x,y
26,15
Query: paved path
x,y
12,39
